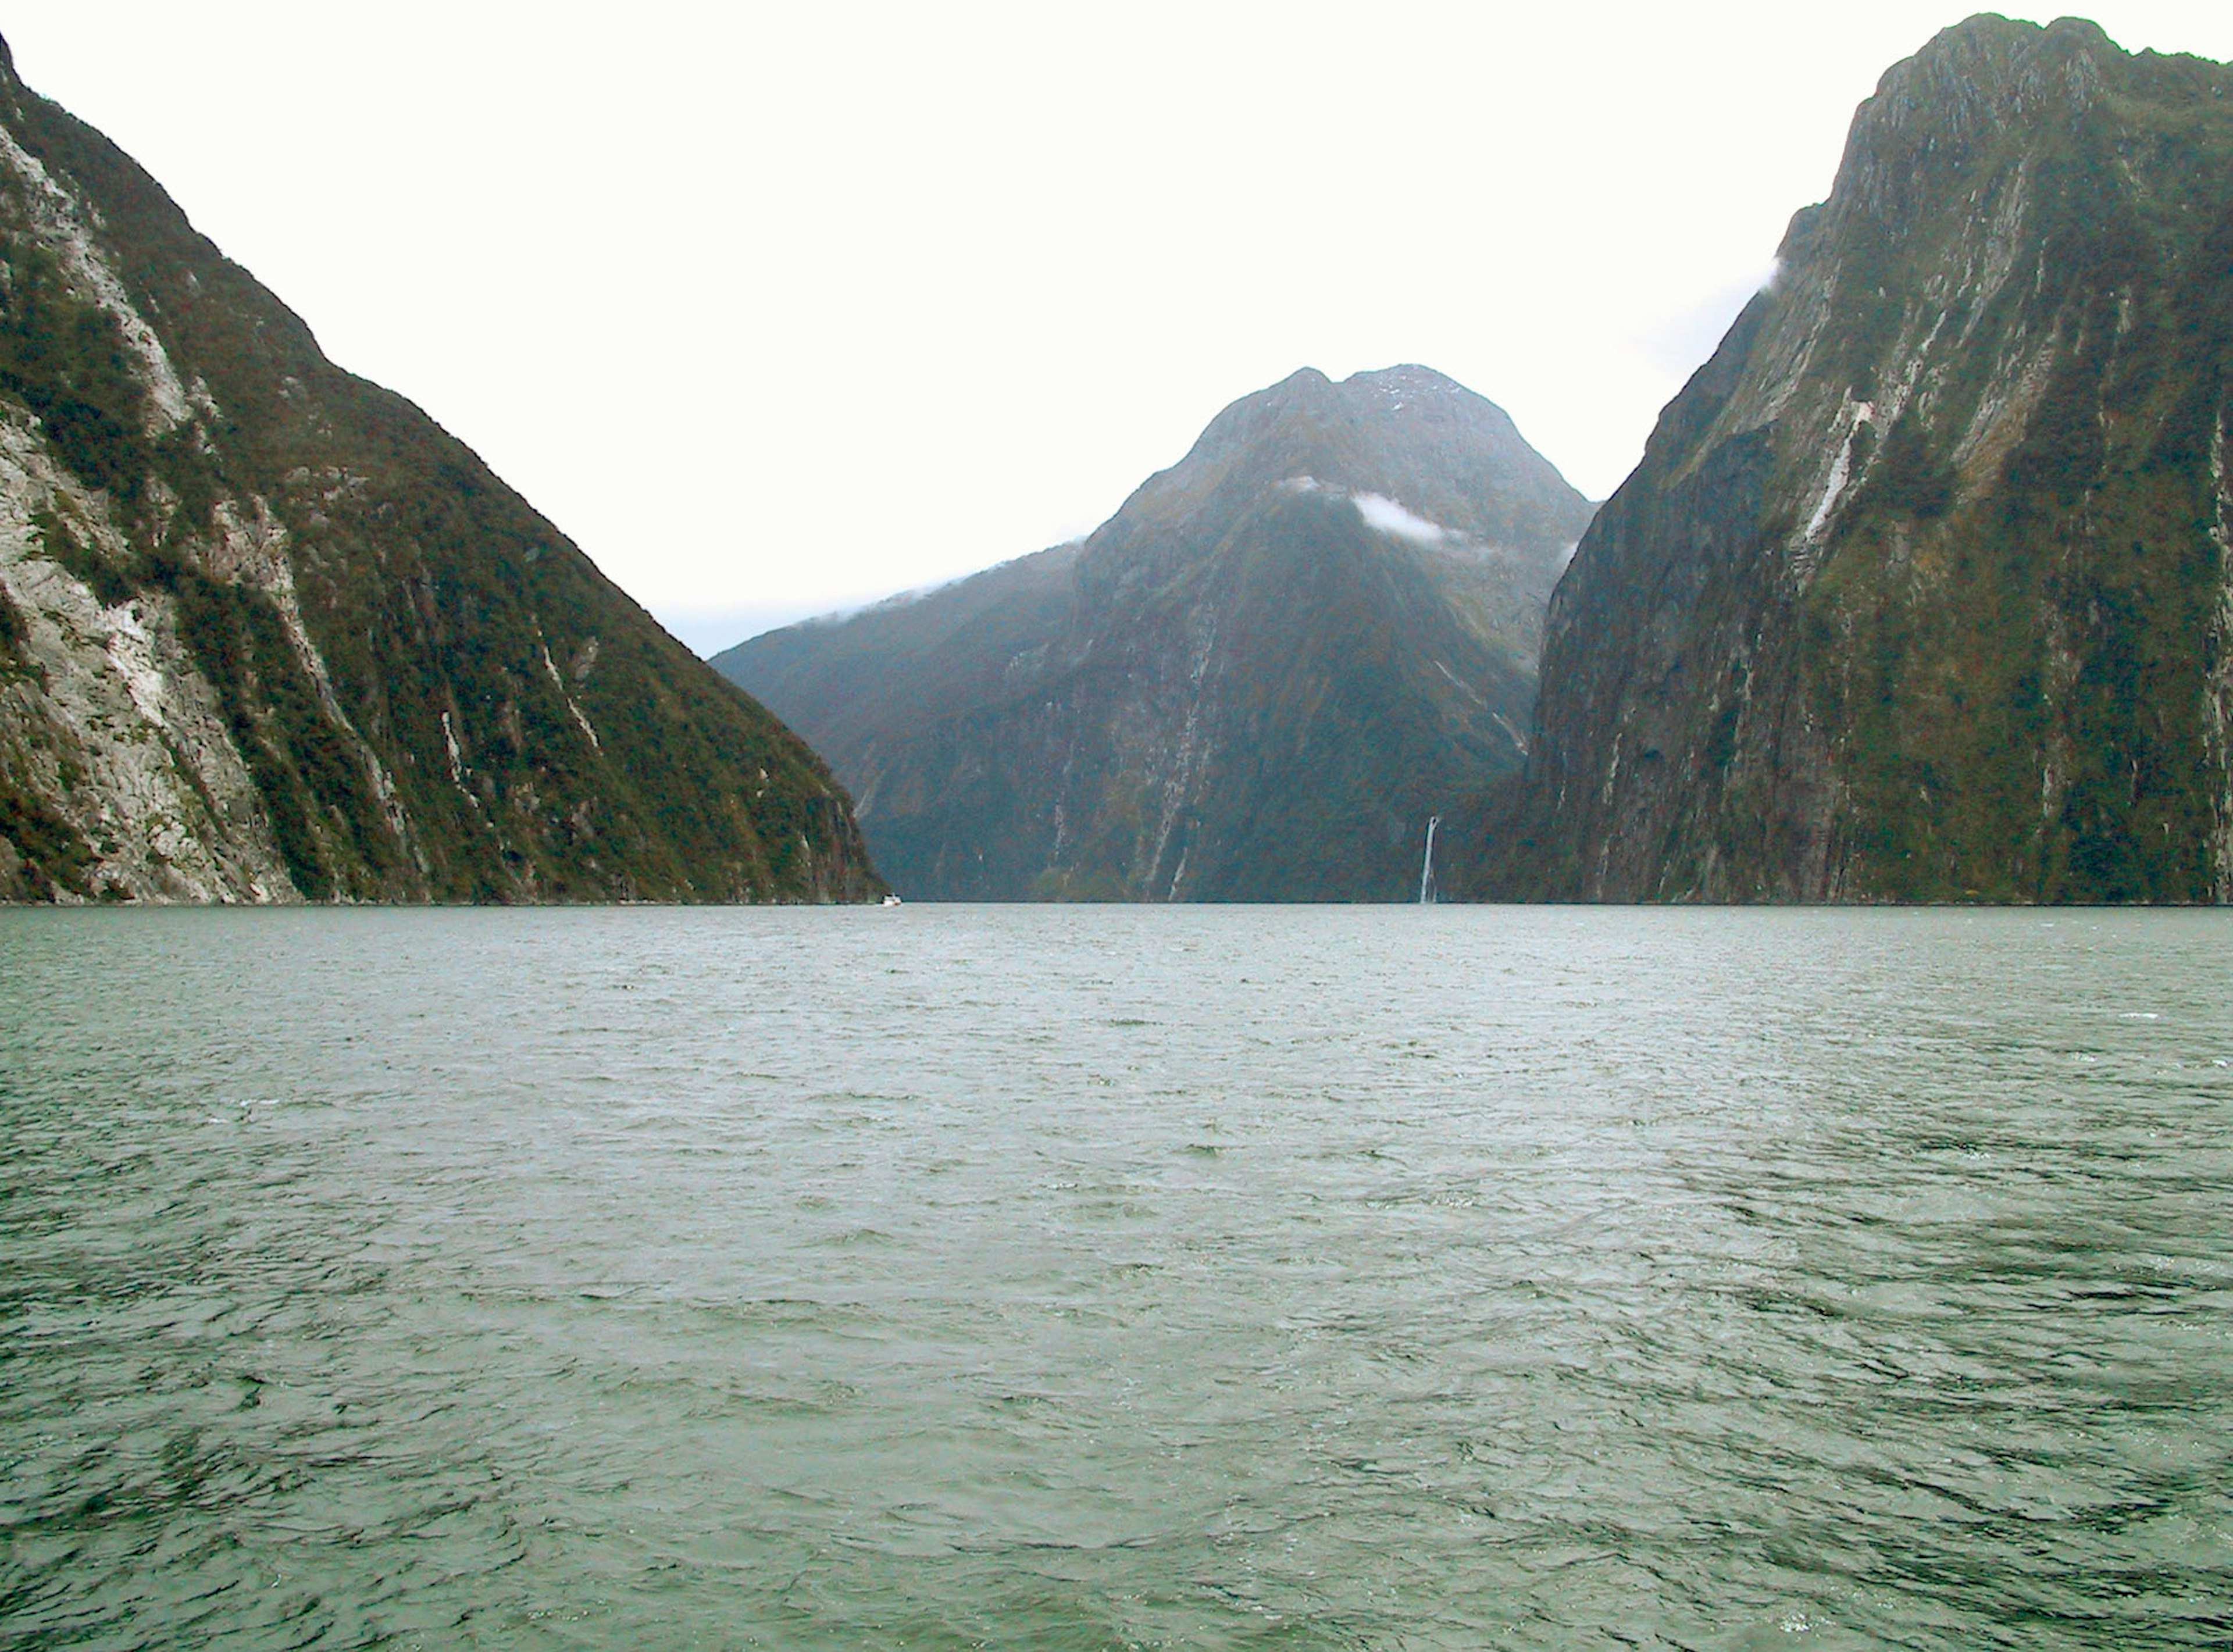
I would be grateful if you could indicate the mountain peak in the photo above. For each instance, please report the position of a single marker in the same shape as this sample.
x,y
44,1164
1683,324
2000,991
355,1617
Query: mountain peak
x,y
1408,378
1989,72
1983,104
1257,681
1371,433
1918,592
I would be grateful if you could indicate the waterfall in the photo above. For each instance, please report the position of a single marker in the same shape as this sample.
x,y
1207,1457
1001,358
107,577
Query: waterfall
x,y
1427,894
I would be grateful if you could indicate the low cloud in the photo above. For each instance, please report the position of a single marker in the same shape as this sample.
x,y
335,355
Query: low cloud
x,y
1390,517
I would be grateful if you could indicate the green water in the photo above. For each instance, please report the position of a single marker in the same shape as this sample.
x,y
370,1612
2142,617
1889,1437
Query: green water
x,y
1075,1278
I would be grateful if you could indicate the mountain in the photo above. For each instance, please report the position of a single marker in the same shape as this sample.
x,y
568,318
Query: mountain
x,y
267,632
1921,590
1256,681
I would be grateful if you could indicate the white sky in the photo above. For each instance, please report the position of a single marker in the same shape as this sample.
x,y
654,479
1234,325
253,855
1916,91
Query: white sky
x,y
779,308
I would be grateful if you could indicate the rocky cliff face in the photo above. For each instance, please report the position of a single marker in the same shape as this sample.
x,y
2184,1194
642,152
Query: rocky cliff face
x,y
1257,681
1921,591
268,634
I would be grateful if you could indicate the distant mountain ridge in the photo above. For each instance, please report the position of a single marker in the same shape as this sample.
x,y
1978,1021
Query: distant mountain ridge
x,y
1256,681
268,634
1922,590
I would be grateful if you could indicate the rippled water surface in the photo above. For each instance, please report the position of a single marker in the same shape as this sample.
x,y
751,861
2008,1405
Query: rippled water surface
x,y
1082,1278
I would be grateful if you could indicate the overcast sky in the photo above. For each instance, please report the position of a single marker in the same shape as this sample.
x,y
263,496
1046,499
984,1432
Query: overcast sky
x,y
776,308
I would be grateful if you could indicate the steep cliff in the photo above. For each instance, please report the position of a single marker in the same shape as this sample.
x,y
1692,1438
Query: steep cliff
x,y
268,634
1921,591
1258,681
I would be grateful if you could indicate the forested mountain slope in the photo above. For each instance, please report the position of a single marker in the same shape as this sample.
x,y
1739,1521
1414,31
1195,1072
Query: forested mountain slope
x,y
1257,681
268,633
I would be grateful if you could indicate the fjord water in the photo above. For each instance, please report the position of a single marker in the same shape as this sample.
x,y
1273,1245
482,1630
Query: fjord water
x,y
1100,1277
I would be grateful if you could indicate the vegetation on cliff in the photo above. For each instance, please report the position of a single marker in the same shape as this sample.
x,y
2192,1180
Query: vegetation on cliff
x,y
1921,591
267,631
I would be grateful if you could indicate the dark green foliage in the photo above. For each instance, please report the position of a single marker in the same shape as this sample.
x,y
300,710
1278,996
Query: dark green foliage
x,y
66,361
12,629
298,758
55,860
2062,450
102,576
1909,478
